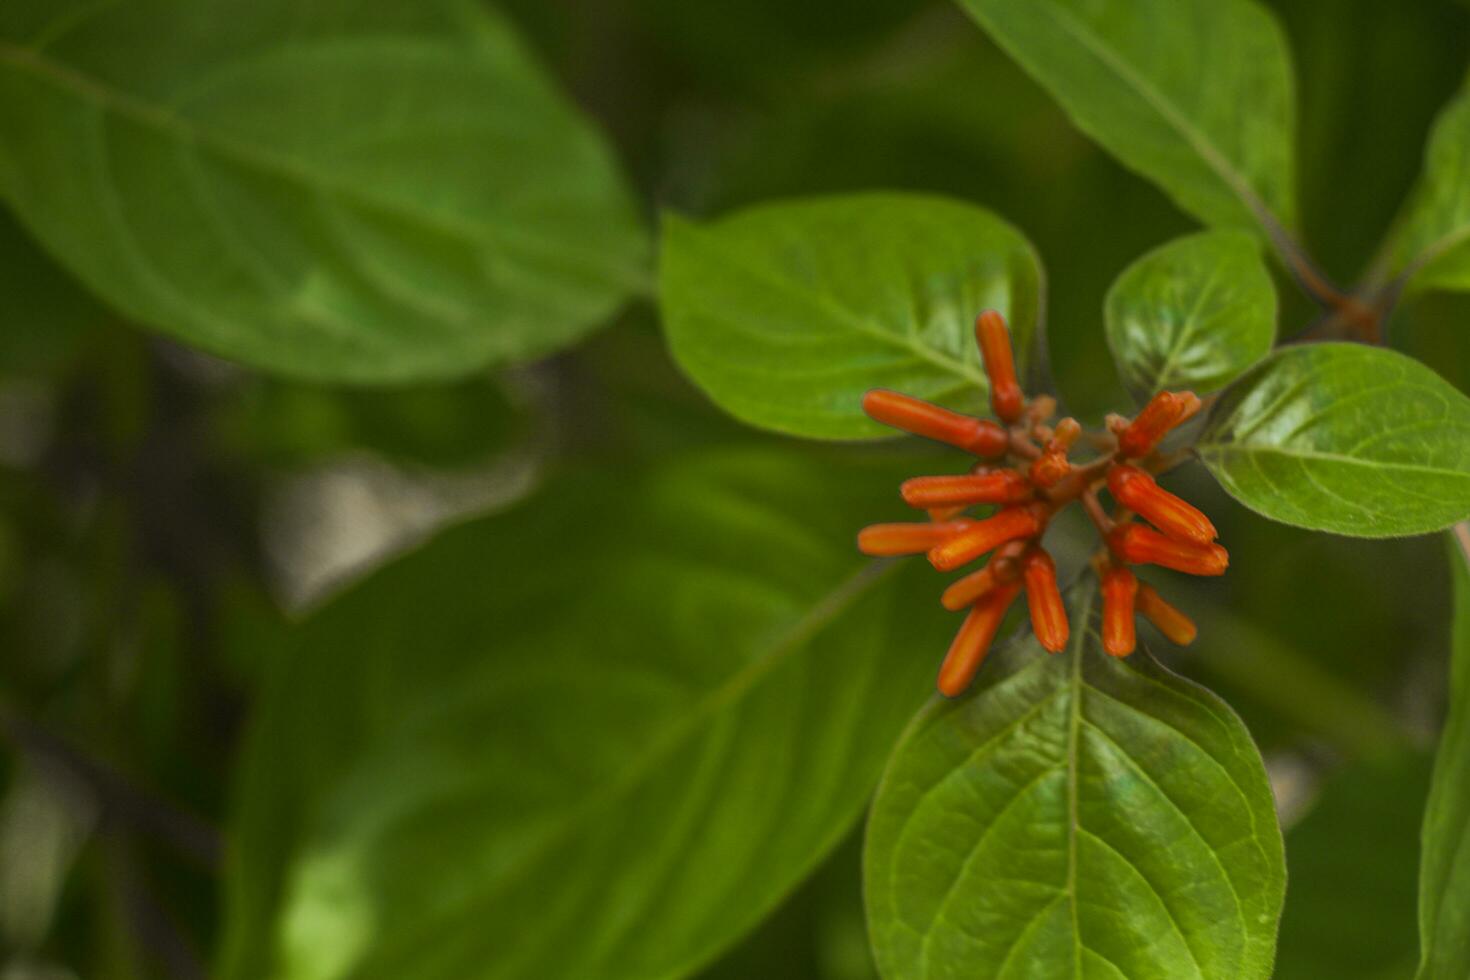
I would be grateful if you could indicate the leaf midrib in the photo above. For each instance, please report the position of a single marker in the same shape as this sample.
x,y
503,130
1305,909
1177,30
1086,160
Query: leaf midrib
x,y
849,318
731,689
1221,450
1212,156
88,88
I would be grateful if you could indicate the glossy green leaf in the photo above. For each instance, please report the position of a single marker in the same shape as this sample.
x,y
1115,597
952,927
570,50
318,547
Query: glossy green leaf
x,y
786,313
1075,815
46,313
597,736
1430,245
1195,95
1350,908
352,191
1195,313
1444,874
1345,438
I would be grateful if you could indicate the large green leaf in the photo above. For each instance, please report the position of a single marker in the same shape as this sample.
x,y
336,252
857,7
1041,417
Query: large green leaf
x,y
1431,241
1444,869
1075,815
349,191
1194,313
598,736
1195,95
1344,438
785,314
45,313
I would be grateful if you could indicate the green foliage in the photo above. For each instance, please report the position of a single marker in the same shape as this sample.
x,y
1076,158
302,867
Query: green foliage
x,y
357,192
727,675
1076,815
1195,313
1129,76
290,424
1444,876
1431,243
1344,438
47,316
786,314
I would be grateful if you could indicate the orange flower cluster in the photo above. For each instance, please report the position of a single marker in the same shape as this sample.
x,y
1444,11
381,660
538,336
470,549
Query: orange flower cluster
x,y
1026,473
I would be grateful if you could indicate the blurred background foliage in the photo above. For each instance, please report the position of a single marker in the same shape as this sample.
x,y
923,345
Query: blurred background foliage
x,y
166,514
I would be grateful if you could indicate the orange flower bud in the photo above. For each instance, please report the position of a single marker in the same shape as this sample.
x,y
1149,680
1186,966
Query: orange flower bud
x,y
1048,614
995,487
1178,627
941,514
881,540
1139,545
1049,469
1002,569
972,642
994,338
1065,435
1163,412
979,436
1008,525
1136,490
1119,588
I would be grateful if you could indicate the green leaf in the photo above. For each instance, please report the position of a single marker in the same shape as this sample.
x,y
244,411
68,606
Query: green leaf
x,y
46,314
600,735
1195,313
1430,245
1075,815
353,192
785,314
1444,871
1344,438
1195,95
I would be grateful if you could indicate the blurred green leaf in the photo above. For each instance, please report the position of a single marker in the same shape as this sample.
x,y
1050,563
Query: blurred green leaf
x,y
1430,245
355,192
640,699
1075,815
1130,76
1195,313
1350,908
1344,438
443,425
817,934
46,313
785,314
1444,883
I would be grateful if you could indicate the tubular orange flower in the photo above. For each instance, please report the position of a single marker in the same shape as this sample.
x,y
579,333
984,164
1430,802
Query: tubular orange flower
x,y
1025,469
1163,412
1006,399
979,436
995,487
1011,523
1003,568
1048,614
1119,589
882,540
972,642
1178,627
1136,490
1139,545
